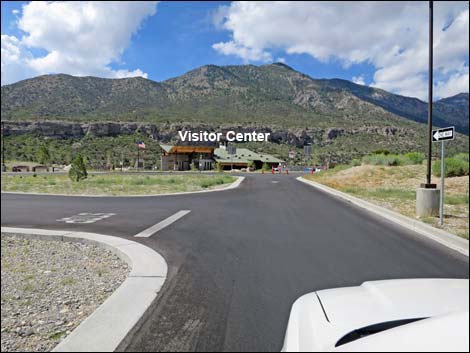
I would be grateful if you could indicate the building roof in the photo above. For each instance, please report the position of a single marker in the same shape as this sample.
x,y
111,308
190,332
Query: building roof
x,y
187,149
166,148
243,155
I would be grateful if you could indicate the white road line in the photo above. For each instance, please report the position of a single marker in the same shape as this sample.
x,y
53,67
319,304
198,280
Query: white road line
x,y
159,226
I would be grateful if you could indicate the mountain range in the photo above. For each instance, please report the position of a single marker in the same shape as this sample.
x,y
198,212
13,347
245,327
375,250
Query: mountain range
x,y
270,95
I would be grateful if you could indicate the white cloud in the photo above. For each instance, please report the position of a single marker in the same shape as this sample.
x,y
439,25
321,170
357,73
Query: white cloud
x,y
391,36
14,60
457,83
359,80
80,38
246,53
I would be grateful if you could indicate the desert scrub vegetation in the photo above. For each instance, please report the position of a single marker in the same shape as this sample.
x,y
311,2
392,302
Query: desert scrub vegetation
x,y
113,184
394,187
454,166
388,159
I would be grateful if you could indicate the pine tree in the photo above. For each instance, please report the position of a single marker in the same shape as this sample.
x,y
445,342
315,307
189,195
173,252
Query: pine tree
x,y
78,171
43,155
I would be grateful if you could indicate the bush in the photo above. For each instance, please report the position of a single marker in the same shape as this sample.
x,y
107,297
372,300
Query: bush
x,y
453,167
385,152
43,155
356,162
462,156
383,159
218,167
78,171
415,157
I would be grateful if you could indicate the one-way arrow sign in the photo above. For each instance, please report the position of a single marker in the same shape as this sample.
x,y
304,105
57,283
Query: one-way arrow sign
x,y
447,133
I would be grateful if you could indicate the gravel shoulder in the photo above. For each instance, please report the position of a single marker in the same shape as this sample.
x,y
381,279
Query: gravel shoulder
x,y
49,287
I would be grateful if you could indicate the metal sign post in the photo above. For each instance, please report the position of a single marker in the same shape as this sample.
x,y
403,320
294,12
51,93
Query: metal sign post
x,y
307,153
442,135
231,151
441,206
4,168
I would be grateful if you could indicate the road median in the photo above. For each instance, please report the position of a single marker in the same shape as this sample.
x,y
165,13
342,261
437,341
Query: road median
x,y
133,186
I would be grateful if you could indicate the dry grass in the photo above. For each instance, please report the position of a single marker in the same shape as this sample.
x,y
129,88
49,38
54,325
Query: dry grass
x,y
395,188
113,184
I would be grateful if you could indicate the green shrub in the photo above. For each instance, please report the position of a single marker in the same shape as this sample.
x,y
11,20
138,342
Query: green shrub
x,y
78,171
356,162
43,155
463,157
205,184
385,152
383,159
453,167
456,199
415,157
218,167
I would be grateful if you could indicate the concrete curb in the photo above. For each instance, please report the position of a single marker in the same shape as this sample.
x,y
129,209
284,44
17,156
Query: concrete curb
x,y
231,186
109,325
445,238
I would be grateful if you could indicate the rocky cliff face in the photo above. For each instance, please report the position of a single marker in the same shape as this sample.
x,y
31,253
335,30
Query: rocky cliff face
x,y
168,133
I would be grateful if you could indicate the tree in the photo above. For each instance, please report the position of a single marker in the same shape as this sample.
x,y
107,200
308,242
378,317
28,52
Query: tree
x,y
43,155
78,171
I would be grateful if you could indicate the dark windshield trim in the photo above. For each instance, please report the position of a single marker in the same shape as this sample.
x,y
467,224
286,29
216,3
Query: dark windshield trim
x,y
373,329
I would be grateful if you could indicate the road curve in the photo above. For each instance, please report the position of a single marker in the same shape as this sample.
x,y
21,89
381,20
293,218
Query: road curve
x,y
241,257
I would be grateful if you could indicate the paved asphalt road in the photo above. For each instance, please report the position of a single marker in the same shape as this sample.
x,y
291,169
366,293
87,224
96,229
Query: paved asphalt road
x,y
241,257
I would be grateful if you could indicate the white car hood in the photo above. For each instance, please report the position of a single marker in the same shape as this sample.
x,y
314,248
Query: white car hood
x,y
375,302
448,333
319,320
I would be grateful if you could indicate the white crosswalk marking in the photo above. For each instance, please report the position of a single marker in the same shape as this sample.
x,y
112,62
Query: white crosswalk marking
x,y
159,226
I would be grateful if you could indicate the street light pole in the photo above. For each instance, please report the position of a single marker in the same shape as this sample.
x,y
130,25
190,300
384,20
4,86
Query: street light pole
x,y
428,171
427,195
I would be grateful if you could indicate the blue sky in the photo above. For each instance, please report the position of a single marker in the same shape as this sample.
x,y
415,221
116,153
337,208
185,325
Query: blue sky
x,y
373,44
181,39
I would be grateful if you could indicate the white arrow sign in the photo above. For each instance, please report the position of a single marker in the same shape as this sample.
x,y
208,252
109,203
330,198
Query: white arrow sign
x,y
438,135
443,134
